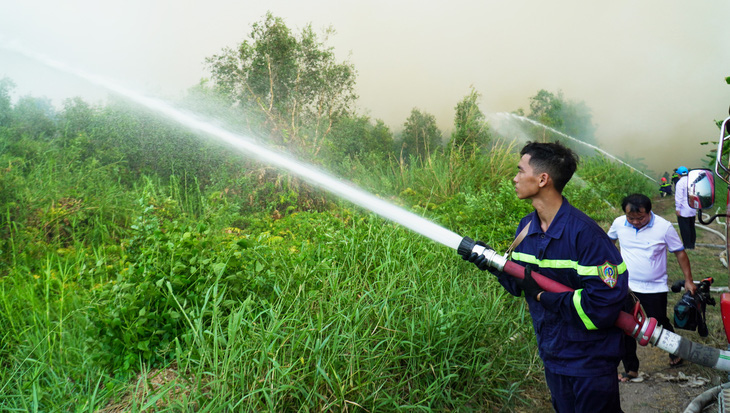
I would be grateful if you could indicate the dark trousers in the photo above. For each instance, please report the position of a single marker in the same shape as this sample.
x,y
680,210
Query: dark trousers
x,y
654,305
687,231
595,394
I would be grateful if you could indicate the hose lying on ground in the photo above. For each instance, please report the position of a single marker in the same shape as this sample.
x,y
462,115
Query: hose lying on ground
x,y
705,399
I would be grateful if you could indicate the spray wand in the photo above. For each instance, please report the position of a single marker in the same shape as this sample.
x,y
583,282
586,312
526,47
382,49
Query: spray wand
x,y
644,330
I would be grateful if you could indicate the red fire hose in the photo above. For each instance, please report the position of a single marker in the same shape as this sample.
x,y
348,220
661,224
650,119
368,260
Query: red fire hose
x,y
635,325
644,330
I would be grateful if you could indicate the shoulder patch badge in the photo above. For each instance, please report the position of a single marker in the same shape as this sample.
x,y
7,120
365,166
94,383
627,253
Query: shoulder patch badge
x,y
608,273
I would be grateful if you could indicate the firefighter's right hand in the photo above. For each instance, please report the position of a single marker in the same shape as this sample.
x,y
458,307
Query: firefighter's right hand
x,y
478,259
528,284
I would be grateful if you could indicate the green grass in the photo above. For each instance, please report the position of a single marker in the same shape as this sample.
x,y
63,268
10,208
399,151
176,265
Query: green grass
x,y
258,293
377,318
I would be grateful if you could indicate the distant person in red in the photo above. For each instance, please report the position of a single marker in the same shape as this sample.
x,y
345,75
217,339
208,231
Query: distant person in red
x,y
665,188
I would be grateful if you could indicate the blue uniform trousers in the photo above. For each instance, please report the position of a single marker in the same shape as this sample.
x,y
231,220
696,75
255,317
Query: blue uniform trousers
x,y
595,394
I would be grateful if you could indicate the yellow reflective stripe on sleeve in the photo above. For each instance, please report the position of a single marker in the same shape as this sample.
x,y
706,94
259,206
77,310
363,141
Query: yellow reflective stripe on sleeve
x,y
594,269
583,270
582,314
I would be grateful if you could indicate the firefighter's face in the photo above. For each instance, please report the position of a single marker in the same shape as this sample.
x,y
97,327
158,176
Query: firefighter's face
x,y
639,218
528,181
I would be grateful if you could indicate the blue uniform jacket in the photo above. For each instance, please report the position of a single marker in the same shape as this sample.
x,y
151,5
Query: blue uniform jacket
x,y
575,331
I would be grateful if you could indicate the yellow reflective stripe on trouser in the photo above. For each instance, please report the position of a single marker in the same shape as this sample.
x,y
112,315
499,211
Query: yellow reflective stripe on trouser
x,y
583,270
579,309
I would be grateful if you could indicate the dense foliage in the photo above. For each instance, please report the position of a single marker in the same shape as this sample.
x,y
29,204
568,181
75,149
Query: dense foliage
x,y
289,84
143,267
470,127
570,117
421,136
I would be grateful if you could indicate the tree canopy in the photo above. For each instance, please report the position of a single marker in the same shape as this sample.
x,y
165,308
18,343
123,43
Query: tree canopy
x,y
470,128
420,135
570,117
289,83
356,136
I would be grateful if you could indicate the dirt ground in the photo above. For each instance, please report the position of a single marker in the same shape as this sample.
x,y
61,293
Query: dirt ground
x,y
666,389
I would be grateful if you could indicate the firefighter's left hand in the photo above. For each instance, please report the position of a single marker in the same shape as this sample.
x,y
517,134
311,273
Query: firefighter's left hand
x,y
478,259
528,284
690,286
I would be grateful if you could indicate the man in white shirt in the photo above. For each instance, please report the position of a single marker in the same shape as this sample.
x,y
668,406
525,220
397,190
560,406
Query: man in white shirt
x,y
685,213
644,239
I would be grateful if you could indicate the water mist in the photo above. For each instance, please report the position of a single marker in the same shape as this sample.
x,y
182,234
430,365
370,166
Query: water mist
x,y
504,116
248,147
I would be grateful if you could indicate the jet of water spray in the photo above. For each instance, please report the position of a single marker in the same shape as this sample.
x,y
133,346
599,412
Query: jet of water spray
x,y
248,147
505,115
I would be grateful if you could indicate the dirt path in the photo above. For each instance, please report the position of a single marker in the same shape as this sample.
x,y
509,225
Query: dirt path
x,y
664,388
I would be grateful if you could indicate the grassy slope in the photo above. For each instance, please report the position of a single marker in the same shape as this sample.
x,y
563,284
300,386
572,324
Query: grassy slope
x,y
310,310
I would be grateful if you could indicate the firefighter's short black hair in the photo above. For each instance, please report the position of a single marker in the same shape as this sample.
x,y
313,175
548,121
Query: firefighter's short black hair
x,y
554,158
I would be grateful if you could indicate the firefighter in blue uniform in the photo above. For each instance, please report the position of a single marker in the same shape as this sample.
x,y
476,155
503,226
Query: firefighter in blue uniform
x,y
578,343
675,178
665,188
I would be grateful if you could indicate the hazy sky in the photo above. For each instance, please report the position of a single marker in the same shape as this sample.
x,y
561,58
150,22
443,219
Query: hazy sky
x,y
652,71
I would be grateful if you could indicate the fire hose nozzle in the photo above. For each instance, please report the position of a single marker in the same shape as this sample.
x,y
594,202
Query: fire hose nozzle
x,y
468,246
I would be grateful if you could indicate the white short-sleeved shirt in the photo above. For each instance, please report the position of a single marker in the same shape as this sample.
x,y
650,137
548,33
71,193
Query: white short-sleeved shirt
x,y
645,251
680,198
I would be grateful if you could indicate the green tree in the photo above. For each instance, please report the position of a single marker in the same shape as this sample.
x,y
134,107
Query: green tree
x,y
546,108
6,86
578,121
289,84
470,127
77,117
34,118
420,136
570,117
356,136
150,145
381,138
